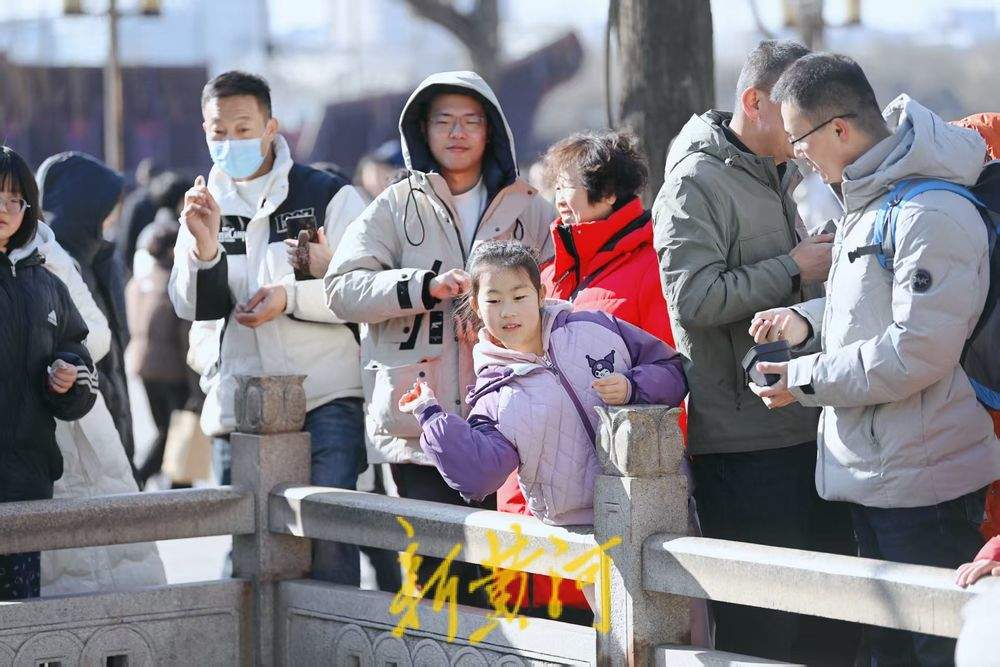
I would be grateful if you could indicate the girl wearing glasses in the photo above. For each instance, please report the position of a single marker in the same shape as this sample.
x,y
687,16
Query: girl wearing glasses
x,y
46,372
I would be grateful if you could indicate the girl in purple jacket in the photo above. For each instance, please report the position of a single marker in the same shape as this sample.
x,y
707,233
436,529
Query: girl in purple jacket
x,y
541,369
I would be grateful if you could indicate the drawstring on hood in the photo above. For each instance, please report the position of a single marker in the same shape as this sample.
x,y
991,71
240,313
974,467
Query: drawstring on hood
x,y
499,159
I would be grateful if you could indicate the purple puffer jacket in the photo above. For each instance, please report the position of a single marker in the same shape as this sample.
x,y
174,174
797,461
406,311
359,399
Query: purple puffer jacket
x,y
536,415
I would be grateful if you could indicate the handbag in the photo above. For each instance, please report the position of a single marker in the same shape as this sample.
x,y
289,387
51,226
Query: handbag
x,y
187,456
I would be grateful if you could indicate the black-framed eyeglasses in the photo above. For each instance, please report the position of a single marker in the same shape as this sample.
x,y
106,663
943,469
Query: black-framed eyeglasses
x,y
14,205
792,142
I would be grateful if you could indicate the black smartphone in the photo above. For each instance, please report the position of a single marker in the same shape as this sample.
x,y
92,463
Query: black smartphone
x,y
778,351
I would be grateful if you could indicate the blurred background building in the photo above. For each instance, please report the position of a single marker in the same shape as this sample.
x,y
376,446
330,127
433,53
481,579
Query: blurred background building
x,y
340,69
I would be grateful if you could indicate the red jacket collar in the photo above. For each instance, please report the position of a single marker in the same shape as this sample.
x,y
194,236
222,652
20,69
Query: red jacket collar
x,y
587,246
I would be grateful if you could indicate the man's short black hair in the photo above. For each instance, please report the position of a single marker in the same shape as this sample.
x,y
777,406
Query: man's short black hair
x,y
766,63
825,85
233,83
436,91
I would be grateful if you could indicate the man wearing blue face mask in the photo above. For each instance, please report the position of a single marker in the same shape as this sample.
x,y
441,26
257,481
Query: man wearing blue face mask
x,y
253,247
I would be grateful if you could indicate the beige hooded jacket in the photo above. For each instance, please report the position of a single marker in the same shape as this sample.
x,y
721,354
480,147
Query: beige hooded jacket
x,y
381,271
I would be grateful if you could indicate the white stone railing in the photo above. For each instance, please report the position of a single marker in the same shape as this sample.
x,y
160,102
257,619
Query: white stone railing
x,y
642,499
892,595
158,625
41,525
369,519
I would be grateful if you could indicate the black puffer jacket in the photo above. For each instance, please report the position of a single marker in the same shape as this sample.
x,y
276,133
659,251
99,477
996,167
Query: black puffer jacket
x,y
38,323
78,192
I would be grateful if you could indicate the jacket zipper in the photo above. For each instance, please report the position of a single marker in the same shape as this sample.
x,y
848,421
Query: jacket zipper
x,y
454,226
19,304
489,209
775,188
740,374
566,234
554,367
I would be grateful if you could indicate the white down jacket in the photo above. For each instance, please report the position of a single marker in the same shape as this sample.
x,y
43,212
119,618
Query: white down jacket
x,y
901,426
94,464
307,339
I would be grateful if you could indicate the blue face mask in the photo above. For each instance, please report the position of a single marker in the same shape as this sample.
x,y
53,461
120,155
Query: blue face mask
x,y
239,158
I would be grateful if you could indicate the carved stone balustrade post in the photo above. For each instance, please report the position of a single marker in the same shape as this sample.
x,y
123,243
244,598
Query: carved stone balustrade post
x,y
642,491
269,449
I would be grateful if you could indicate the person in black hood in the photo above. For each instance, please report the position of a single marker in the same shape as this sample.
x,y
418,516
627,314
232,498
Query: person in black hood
x,y
78,194
47,371
139,209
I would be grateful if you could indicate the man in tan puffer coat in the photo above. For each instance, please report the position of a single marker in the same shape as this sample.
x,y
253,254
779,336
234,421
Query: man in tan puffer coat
x,y
399,268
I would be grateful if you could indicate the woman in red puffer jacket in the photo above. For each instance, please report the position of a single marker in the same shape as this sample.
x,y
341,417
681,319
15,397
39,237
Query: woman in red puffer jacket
x,y
604,260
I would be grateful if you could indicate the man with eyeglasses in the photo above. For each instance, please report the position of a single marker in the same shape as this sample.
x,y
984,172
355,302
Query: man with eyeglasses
x,y
400,267
730,241
903,438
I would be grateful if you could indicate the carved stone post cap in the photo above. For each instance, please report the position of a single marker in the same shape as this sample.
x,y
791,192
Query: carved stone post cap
x,y
270,403
640,441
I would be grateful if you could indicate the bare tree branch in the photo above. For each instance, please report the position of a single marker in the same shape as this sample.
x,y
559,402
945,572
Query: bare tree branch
x,y
477,30
761,28
445,15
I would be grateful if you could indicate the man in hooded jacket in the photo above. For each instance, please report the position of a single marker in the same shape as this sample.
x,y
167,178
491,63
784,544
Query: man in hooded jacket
x,y
731,243
399,267
902,437
79,194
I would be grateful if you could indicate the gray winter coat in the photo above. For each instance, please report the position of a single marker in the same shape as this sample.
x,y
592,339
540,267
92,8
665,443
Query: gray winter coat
x,y
901,426
724,223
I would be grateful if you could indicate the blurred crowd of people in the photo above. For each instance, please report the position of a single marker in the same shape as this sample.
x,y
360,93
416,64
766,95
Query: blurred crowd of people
x,y
456,325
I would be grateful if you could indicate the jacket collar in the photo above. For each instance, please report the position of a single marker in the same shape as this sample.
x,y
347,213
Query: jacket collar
x,y
922,145
705,134
505,205
223,187
497,365
584,247
488,353
26,255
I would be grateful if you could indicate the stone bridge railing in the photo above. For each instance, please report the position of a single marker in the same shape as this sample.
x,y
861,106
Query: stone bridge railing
x,y
271,613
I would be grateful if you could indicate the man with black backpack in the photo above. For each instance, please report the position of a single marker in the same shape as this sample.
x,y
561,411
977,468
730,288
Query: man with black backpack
x,y
902,434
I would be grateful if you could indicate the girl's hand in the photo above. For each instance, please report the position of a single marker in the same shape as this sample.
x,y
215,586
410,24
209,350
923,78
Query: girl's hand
x,y
972,572
613,389
62,376
416,398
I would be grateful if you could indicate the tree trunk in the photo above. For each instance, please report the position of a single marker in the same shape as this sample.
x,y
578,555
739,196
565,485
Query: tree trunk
x,y
667,70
